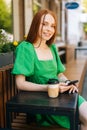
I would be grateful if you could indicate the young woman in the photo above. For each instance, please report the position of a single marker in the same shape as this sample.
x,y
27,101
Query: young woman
x,y
37,61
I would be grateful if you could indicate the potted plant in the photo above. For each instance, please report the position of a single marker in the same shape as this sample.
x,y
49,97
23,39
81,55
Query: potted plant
x,y
7,48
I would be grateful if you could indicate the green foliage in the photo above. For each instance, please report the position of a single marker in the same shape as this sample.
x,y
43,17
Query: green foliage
x,y
85,27
8,47
3,37
5,44
84,4
5,17
35,8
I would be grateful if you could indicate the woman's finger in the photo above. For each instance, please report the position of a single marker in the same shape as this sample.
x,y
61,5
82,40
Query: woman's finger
x,y
73,89
64,88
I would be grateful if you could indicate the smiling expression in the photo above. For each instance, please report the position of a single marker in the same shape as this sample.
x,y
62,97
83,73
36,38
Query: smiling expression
x,y
47,27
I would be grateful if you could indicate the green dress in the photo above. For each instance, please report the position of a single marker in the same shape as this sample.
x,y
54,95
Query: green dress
x,y
40,71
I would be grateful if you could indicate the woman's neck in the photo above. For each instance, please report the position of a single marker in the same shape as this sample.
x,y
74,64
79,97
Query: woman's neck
x,y
40,44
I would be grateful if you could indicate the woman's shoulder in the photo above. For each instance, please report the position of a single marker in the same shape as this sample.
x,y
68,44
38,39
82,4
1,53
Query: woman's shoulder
x,y
25,46
53,46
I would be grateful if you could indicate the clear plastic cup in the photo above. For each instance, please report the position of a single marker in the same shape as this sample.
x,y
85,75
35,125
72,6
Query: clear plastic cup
x,y
53,88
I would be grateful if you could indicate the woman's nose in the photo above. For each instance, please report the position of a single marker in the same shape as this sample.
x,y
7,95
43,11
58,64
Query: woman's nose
x,y
49,28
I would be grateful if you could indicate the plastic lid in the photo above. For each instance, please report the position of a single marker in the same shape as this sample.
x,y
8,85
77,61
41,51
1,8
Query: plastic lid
x,y
53,81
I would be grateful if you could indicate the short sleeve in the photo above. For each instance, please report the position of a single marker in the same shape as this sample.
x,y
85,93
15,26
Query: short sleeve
x,y
60,66
24,59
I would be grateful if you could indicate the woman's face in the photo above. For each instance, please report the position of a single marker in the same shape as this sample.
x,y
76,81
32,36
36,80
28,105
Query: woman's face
x,y
47,27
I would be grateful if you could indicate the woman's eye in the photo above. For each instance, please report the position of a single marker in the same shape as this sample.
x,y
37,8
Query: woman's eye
x,y
53,26
44,24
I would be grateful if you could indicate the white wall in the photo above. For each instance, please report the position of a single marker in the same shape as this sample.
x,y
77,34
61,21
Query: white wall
x,y
74,26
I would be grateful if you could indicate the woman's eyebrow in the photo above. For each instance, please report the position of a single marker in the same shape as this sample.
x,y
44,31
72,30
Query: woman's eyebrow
x,y
47,22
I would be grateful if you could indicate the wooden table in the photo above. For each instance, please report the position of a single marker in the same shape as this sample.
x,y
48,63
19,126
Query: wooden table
x,y
39,102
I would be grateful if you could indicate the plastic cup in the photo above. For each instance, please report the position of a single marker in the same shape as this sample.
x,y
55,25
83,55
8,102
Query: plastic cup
x,y
53,88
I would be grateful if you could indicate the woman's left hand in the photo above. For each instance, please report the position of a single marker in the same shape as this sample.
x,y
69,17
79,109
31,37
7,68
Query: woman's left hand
x,y
73,88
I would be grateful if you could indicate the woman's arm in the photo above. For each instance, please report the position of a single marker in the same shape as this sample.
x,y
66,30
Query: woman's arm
x,y
62,77
22,84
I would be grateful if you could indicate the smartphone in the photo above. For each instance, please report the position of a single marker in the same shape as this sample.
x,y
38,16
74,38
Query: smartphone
x,y
72,82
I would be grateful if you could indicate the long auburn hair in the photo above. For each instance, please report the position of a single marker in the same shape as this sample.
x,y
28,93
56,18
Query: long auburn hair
x,y
34,28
